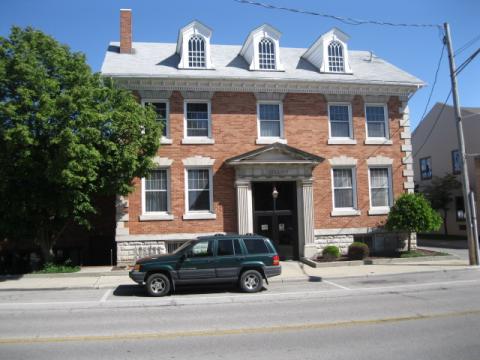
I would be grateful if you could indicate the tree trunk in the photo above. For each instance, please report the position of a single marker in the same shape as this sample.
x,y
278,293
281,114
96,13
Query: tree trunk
x,y
445,230
44,240
409,246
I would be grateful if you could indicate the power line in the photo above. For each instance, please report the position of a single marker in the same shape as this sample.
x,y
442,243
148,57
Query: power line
x,y
466,62
467,45
434,124
434,82
345,20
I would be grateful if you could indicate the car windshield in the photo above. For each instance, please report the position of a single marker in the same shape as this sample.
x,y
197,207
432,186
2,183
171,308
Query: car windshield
x,y
183,247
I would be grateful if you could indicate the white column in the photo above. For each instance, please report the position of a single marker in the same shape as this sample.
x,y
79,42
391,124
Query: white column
x,y
244,207
309,248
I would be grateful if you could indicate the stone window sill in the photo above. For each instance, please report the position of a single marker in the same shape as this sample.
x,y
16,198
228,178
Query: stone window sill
x,y
379,211
345,212
199,216
341,141
155,217
378,141
198,141
166,141
268,141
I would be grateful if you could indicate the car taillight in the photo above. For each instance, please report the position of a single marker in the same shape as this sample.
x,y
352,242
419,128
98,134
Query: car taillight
x,y
276,260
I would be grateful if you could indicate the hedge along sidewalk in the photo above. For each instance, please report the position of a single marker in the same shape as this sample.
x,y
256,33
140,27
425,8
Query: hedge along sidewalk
x,y
379,261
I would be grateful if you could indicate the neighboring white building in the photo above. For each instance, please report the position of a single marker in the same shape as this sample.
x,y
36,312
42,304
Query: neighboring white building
x,y
436,153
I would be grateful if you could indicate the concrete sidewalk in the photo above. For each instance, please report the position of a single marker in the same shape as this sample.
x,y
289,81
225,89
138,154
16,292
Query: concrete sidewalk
x,y
106,277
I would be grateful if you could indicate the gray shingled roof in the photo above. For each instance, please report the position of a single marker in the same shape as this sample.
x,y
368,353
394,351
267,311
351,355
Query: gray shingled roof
x,y
159,60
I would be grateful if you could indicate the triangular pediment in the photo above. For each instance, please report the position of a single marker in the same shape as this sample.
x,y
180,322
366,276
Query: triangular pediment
x,y
276,153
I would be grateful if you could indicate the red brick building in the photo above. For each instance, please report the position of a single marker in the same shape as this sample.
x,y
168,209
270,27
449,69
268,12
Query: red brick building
x,y
307,146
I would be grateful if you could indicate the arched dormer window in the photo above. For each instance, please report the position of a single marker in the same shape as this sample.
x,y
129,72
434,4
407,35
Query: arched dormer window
x,y
266,54
336,61
196,52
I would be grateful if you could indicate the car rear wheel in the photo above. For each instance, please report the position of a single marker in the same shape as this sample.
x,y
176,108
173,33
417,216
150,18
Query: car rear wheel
x,y
158,285
251,281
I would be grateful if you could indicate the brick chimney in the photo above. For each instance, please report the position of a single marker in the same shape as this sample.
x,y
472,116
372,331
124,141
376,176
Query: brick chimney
x,y
125,31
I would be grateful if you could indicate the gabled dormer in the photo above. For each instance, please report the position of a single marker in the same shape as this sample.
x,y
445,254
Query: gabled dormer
x,y
261,50
330,53
193,46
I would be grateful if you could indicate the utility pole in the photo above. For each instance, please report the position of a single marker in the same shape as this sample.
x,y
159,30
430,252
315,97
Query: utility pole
x,y
472,229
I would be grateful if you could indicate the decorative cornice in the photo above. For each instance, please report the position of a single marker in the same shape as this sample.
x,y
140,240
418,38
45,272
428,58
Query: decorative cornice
x,y
197,95
262,96
275,86
155,94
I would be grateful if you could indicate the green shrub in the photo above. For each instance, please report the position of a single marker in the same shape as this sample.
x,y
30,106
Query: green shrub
x,y
49,268
331,252
358,251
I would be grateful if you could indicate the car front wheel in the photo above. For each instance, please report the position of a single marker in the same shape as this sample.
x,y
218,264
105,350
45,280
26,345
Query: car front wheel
x,y
251,281
158,285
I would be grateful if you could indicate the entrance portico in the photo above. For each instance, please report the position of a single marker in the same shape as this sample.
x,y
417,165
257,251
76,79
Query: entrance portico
x,y
289,169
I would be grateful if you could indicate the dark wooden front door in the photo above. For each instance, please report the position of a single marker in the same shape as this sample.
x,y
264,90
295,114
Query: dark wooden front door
x,y
277,218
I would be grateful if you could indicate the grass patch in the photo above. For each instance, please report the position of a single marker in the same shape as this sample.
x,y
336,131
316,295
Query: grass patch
x,y
420,253
51,268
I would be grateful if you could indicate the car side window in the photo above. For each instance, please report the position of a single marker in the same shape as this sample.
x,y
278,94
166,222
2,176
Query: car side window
x,y
224,248
238,248
256,246
201,249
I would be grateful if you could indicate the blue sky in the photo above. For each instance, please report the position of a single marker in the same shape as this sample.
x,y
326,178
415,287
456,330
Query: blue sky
x,y
88,26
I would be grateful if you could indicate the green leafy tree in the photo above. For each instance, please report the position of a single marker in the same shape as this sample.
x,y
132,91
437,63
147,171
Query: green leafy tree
x,y
412,213
440,194
66,136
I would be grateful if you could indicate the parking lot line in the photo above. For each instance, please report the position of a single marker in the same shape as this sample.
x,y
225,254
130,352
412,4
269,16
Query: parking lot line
x,y
336,285
105,296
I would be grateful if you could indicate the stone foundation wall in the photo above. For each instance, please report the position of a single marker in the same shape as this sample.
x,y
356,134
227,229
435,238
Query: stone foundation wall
x,y
129,251
379,241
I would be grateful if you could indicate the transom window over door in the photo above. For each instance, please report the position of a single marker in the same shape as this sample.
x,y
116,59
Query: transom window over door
x,y
380,187
270,118
156,191
196,52
335,57
340,122
343,188
199,189
266,54
376,121
198,119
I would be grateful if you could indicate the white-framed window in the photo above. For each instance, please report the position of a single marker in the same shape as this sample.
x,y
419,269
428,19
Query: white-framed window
x,y
196,52
197,122
336,61
344,188
426,168
376,118
270,121
340,121
198,193
162,110
266,54
380,185
456,162
156,195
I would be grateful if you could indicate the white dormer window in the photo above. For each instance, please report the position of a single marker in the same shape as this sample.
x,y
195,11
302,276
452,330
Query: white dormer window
x,y
196,52
266,54
261,50
193,46
335,57
329,53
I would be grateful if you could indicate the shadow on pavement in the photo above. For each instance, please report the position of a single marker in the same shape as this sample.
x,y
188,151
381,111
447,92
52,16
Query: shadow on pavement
x,y
139,291
10,277
446,244
315,279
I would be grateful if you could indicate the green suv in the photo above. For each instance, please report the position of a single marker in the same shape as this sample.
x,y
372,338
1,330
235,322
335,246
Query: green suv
x,y
246,259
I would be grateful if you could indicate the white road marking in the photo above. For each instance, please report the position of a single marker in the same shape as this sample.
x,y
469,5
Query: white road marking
x,y
336,285
196,300
105,296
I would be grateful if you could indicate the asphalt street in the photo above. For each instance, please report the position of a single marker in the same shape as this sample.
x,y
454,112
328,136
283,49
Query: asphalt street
x,y
432,315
